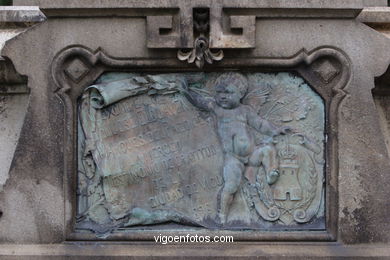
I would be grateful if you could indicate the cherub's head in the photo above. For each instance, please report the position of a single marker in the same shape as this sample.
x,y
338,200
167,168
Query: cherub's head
x,y
230,88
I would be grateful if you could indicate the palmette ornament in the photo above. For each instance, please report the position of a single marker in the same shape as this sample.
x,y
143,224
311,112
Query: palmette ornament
x,y
200,54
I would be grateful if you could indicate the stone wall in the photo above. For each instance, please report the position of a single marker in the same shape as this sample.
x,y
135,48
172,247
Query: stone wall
x,y
52,50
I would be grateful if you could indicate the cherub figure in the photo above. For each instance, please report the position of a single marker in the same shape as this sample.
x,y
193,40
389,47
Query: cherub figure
x,y
234,121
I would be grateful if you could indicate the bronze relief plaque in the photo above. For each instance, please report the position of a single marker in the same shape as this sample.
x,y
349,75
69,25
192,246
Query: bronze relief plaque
x,y
221,150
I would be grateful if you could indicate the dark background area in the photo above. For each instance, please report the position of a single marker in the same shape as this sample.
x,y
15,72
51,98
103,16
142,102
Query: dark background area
x,y
5,2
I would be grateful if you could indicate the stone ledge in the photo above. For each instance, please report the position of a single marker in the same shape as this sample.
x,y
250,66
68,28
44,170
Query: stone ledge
x,y
378,18
16,19
333,4
21,14
262,8
378,15
228,250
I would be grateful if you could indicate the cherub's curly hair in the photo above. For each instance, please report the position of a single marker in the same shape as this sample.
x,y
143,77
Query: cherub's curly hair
x,y
234,78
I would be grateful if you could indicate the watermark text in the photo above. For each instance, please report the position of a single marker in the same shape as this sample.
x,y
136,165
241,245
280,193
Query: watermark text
x,y
167,239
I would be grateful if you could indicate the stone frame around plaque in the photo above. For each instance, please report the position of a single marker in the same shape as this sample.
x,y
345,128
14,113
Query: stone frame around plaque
x,y
326,69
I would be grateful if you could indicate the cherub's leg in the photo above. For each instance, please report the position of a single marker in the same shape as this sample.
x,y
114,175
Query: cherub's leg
x,y
232,174
266,156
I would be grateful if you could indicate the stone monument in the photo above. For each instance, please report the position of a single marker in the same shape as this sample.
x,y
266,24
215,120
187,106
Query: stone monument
x,y
130,120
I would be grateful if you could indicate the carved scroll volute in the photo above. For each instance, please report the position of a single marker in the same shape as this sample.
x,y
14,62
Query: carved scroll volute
x,y
219,38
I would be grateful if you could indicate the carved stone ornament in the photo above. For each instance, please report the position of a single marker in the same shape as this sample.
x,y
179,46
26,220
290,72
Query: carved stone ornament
x,y
205,25
216,150
200,54
225,150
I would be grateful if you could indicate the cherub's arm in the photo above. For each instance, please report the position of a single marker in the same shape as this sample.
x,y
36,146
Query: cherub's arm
x,y
263,126
198,100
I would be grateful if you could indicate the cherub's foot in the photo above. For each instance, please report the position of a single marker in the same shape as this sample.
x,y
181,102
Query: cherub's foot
x,y
272,176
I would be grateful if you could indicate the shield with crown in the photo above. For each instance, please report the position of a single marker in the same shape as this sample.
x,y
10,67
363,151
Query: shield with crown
x,y
295,196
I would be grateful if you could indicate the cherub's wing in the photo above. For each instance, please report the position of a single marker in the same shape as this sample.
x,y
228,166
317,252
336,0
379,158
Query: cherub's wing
x,y
257,96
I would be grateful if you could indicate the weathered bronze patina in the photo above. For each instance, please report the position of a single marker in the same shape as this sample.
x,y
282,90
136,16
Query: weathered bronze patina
x,y
218,150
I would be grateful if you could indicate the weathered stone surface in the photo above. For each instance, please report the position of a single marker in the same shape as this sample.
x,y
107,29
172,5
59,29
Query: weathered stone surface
x,y
242,250
12,111
13,89
16,19
21,14
323,4
374,15
377,18
35,202
383,106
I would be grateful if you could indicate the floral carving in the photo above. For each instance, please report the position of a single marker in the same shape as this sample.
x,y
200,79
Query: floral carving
x,y
200,54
